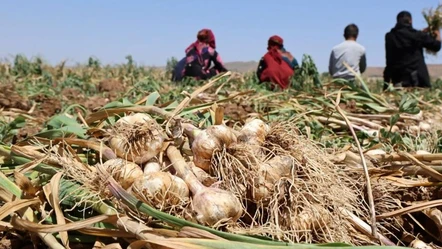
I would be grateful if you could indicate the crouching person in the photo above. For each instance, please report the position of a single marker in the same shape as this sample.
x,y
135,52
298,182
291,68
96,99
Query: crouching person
x,y
200,56
277,65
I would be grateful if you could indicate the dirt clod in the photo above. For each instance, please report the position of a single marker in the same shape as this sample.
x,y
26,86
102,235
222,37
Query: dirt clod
x,y
9,98
48,106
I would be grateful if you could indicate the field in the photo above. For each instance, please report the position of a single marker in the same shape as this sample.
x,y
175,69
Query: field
x,y
98,156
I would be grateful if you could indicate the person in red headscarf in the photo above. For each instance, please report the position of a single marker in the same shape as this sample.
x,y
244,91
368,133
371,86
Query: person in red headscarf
x,y
277,65
200,56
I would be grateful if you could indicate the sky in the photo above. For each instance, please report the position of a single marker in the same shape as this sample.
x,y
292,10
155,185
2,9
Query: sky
x,y
153,31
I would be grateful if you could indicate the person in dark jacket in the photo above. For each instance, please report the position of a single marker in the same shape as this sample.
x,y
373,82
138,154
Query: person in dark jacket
x,y
405,64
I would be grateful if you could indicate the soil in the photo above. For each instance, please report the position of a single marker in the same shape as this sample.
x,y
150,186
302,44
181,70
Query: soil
x,y
95,102
9,241
27,131
47,106
349,106
9,98
237,112
72,95
111,87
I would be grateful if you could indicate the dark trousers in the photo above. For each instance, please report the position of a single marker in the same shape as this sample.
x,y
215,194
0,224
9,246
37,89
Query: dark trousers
x,y
409,80
197,71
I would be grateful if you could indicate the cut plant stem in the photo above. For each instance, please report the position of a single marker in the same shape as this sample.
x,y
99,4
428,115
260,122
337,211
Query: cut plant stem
x,y
113,111
364,164
364,227
398,157
341,123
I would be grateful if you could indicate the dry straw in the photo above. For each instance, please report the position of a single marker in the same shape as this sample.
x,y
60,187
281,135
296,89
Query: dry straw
x,y
301,206
433,17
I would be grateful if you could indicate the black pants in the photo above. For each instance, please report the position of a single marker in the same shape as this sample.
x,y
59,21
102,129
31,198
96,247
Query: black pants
x,y
196,70
409,80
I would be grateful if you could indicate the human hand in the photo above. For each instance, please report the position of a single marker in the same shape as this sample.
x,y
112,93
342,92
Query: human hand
x,y
437,33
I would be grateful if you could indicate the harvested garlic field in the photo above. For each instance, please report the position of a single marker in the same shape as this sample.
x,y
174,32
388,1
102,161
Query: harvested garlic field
x,y
121,157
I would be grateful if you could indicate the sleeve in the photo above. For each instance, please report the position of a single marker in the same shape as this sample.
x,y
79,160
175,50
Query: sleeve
x,y
295,63
331,63
428,41
261,67
219,65
363,62
386,74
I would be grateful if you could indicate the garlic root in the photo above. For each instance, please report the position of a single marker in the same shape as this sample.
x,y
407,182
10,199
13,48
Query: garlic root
x,y
137,137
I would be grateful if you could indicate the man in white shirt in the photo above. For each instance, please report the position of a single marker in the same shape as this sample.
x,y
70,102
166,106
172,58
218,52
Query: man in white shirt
x,y
350,52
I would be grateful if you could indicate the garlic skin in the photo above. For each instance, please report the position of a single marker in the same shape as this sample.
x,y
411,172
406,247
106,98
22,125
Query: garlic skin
x,y
419,244
202,176
179,188
161,188
137,137
375,152
209,140
424,126
372,132
414,130
213,205
422,152
270,173
254,132
124,172
151,167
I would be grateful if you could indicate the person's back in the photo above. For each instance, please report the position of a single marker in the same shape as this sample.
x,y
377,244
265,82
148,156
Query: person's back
x,y
405,63
350,52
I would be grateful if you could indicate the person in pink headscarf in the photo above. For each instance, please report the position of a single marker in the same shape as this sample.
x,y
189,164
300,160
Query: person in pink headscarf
x,y
199,58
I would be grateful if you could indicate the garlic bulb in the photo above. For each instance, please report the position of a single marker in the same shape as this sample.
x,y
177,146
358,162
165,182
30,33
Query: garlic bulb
x,y
212,205
124,172
208,141
137,137
419,244
423,126
254,132
269,173
151,167
161,188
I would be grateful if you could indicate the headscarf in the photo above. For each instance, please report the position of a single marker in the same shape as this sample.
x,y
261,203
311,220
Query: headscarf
x,y
210,37
204,36
274,44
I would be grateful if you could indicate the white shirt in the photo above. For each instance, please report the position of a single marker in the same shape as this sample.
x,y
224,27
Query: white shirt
x,y
350,52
